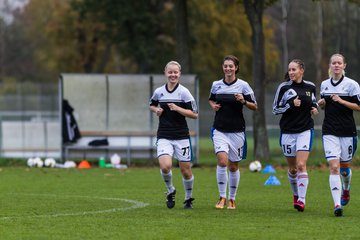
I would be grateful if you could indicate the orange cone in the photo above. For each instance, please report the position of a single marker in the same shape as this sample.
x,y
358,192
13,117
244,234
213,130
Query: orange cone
x,y
84,164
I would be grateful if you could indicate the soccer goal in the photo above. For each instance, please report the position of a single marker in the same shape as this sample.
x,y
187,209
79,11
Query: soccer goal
x,y
112,114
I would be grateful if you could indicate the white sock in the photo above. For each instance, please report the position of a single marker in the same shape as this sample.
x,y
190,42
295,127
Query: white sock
x,y
168,181
222,179
302,185
188,187
293,183
234,179
346,180
335,188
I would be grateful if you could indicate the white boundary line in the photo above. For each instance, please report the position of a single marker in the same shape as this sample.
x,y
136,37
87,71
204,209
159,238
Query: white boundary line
x,y
135,205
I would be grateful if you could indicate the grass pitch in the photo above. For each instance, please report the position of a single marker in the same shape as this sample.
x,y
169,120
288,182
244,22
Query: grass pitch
x,y
130,204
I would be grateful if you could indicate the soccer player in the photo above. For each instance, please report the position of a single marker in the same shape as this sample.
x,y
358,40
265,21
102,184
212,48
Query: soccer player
x,y
172,103
227,98
340,96
295,99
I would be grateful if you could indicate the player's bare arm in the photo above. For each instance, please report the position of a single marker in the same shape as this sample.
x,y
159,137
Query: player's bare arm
x,y
185,112
338,99
215,106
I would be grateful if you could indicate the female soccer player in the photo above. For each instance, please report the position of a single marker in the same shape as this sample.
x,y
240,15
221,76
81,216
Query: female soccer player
x,y
227,98
172,103
295,100
340,96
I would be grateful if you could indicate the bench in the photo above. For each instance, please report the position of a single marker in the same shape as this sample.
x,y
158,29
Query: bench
x,y
135,144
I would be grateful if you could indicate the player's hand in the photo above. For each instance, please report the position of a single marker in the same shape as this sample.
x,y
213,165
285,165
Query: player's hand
x,y
215,106
239,97
314,111
297,102
159,111
336,98
173,106
322,103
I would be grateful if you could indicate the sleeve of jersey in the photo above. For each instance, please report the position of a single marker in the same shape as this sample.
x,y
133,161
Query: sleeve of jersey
x,y
190,101
280,104
154,99
212,95
356,93
249,94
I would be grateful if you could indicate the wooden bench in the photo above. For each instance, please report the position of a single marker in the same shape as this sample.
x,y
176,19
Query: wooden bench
x,y
135,143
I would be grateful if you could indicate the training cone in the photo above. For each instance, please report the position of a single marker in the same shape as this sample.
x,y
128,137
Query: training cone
x,y
84,164
269,169
272,180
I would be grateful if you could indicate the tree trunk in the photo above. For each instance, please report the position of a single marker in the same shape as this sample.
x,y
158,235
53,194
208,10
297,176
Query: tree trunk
x,y
182,36
254,11
283,27
318,43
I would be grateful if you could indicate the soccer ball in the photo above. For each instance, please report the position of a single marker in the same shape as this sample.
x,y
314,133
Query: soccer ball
x,y
115,159
30,162
38,162
255,166
49,162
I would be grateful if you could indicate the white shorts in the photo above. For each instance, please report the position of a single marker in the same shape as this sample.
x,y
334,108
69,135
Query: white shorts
x,y
234,144
291,143
180,149
342,148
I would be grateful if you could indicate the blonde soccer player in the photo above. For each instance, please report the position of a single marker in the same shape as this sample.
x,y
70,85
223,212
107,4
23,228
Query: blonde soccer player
x,y
340,96
173,103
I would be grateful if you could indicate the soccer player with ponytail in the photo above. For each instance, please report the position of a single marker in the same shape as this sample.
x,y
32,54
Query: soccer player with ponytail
x,y
340,96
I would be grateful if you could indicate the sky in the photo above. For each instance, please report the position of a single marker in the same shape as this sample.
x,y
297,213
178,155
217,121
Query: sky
x,y
8,6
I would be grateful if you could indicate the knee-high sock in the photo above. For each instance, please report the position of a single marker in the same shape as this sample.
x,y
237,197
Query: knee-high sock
x,y
234,179
168,180
188,187
293,183
335,188
346,174
302,185
222,179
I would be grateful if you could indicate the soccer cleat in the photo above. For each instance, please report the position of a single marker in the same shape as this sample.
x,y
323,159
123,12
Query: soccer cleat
x,y
300,206
338,212
188,203
231,204
345,197
221,203
295,199
170,199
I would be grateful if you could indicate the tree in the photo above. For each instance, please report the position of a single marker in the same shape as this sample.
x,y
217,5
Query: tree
x,y
182,35
254,11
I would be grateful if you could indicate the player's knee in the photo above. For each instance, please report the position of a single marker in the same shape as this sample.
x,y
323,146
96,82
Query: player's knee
x,y
345,171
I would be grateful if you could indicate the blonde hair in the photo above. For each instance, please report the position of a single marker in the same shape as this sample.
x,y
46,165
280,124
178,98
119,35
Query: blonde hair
x,y
172,63
336,55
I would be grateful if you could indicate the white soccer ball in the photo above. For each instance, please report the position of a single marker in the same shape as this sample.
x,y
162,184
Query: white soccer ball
x,y
115,159
255,166
38,162
49,162
30,162
69,164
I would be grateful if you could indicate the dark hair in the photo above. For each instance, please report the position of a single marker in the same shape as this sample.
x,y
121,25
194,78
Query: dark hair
x,y
286,76
299,62
234,59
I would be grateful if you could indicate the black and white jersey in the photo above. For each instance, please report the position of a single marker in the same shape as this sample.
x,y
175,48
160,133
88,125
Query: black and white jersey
x,y
339,120
230,118
173,125
295,119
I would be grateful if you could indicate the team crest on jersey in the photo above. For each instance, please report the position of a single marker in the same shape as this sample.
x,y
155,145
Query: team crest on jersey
x,y
308,94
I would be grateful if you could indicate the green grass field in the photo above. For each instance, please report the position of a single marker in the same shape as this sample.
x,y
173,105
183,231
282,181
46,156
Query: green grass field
x,y
130,204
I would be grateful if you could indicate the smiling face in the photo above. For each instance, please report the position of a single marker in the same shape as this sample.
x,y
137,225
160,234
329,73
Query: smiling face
x,y
172,73
296,72
337,66
229,69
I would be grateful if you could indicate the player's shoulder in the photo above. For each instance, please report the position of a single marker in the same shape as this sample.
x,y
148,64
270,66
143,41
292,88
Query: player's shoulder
x,y
350,80
309,83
